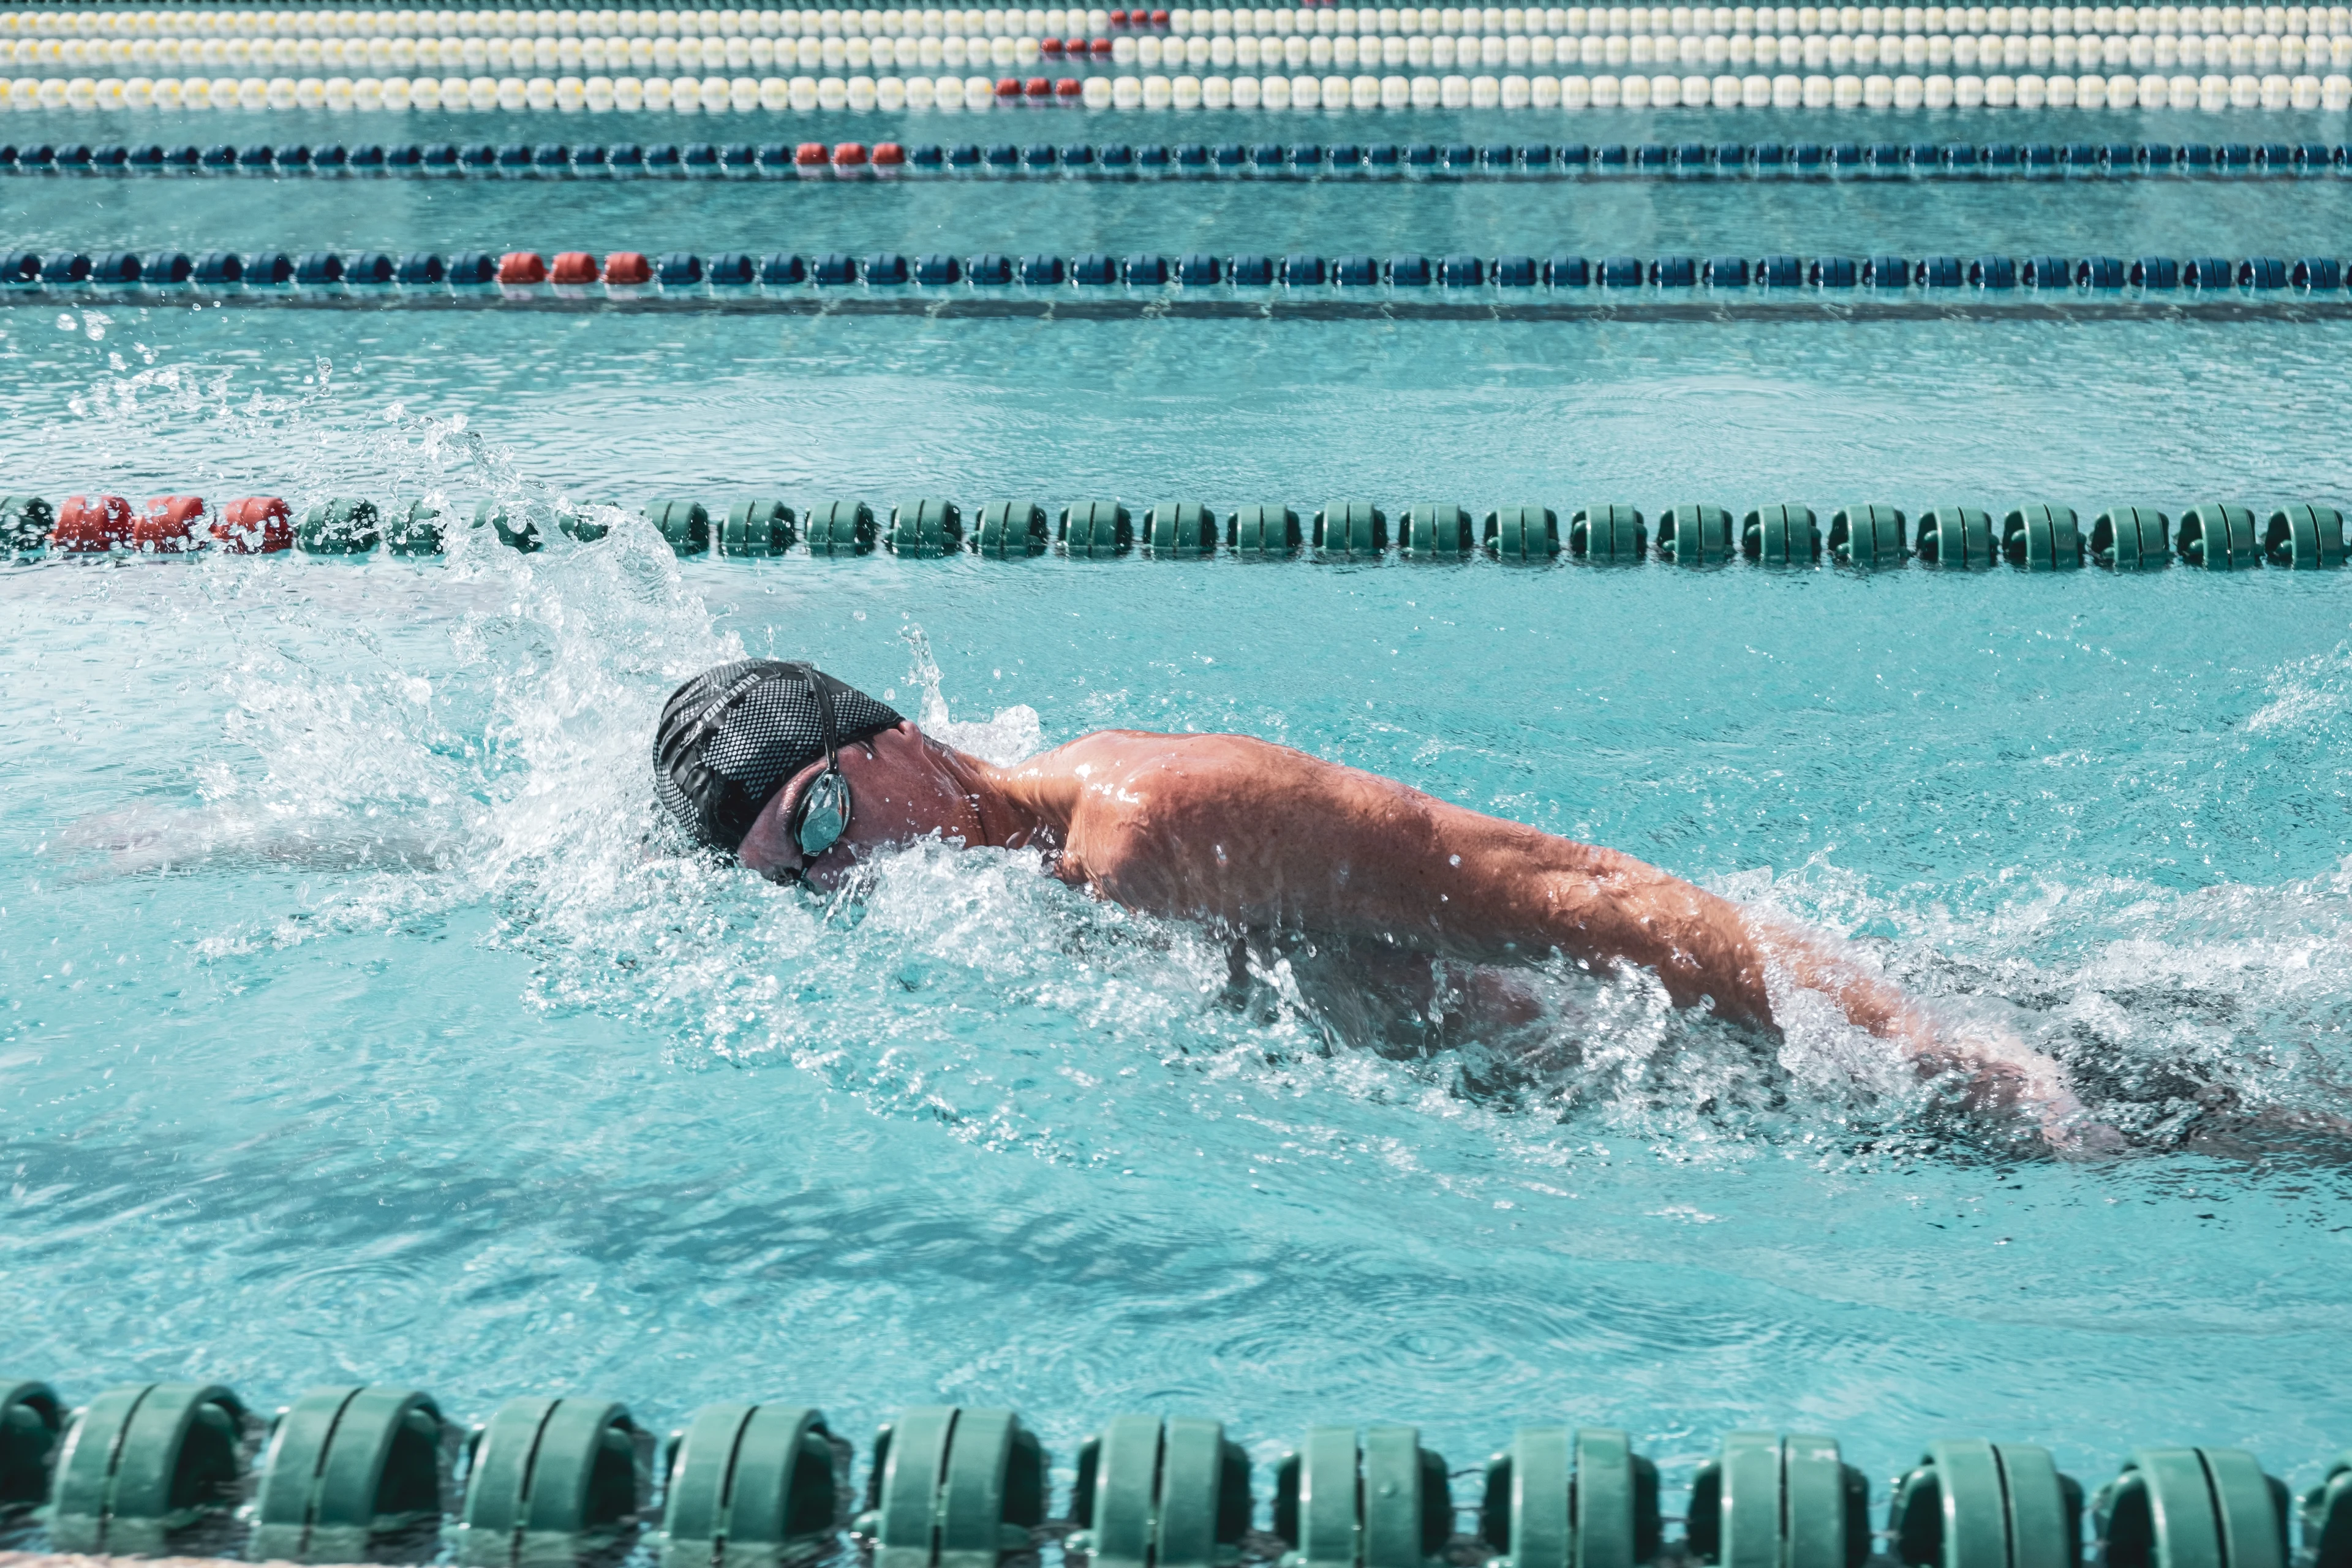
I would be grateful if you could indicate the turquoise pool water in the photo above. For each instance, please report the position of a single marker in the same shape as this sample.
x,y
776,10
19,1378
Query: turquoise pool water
x,y
355,1028
2170,216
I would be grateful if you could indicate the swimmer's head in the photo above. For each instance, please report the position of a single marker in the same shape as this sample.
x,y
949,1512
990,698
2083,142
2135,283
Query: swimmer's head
x,y
732,736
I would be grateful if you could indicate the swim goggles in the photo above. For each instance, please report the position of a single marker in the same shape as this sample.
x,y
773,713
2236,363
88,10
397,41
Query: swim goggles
x,y
823,814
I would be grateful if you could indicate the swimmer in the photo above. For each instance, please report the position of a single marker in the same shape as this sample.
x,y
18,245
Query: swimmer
x,y
800,776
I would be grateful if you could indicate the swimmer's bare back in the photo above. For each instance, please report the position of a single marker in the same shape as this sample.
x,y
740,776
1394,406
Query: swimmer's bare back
x,y
1242,832
1248,835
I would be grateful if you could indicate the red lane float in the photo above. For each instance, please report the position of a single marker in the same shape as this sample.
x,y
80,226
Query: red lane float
x,y
91,524
258,525
522,267
168,525
629,267
888,155
571,267
849,158
1068,88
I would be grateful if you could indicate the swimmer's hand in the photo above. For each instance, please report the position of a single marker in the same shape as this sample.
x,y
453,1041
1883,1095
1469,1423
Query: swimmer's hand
x,y
2005,1074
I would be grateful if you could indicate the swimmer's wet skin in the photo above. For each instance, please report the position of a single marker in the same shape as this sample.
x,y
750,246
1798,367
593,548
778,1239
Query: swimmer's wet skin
x,y
800,775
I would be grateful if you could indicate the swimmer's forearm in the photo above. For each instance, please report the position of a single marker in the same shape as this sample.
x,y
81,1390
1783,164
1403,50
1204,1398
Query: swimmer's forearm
x,y
1604,908
1870,1001
2002,1072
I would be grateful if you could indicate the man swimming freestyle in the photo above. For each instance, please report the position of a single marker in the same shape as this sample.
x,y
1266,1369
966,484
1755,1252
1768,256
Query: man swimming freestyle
x,y
800,776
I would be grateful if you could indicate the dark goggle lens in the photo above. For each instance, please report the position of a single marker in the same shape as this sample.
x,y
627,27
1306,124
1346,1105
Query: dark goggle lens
x,y
823,814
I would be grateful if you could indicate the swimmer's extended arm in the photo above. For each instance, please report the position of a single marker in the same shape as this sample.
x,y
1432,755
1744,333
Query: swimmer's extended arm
x,y
1228,828
1233,829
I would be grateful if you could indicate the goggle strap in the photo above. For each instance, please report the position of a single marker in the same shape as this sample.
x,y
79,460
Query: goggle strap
x,y
825,717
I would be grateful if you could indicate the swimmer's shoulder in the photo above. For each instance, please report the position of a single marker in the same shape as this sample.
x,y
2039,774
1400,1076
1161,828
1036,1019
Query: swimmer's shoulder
x,y
1138,754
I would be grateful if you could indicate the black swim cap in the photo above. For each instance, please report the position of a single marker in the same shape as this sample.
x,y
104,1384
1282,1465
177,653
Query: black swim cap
x,y
731,736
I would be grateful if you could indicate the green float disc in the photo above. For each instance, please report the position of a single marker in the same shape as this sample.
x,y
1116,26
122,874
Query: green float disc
x,y
2219,538
1127,1461
2327,1517
972,1498
1264,530
926,528
2043,539
2248,1505
1203,1495
1392,1498
782,1496
684,523
586,1475
1616,1523
1521,535
1327,1492
25,522
1012,528
1697,535
573,521
1815,1479
345,527
143,1461
1181,530
1780,536
1750,1503
702,1464
1097,529
911,1468
343,1465
31,1420
495,1482
757,528
2184,1528
840,528
550,1475
2045,1509
1351,529
1956,537
1436,531
2305,538
2131,539
418,532
1953,1510
994,1490
1606,531
1525,1515
1867,535
748,1484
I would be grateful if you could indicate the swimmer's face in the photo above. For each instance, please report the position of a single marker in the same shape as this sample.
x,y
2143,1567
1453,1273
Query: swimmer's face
x,y
902,787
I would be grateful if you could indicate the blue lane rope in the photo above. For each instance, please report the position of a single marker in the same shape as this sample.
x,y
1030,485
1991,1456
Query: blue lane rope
x,y
1311,161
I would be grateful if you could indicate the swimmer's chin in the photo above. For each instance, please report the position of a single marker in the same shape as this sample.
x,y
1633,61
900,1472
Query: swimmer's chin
x,y
851,869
